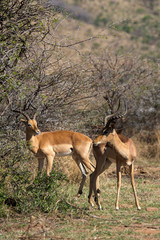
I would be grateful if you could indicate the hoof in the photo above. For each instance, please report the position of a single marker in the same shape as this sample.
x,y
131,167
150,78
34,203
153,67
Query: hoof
x,y
98,190
117,208
79,193
92,204
99,207
139,208
90,201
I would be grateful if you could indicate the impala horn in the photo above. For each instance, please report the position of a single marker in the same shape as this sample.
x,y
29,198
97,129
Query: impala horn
x,y
113,117
23,113
35,115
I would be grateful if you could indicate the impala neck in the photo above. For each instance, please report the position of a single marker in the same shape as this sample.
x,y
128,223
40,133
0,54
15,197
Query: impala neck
x,y
120,147
29,136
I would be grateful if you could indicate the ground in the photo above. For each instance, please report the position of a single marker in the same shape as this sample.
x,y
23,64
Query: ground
x,y
90,223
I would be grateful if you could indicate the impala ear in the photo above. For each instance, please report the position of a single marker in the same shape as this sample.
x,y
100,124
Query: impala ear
x,y
23,120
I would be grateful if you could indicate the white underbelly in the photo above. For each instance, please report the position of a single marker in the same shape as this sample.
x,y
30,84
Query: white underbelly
x,y
63,149
61,154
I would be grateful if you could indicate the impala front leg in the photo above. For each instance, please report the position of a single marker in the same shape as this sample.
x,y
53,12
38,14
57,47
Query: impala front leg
x,y
92,181
40,164
133,186
49,163
94,186
118,166
97,196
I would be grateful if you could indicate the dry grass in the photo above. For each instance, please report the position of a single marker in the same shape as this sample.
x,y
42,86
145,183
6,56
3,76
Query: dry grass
x,y
148,147
89,223
69,167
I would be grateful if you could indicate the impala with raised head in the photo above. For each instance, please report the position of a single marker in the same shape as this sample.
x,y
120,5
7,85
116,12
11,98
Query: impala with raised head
x,y
47,145
108,148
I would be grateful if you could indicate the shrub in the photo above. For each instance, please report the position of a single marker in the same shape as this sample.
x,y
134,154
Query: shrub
x,y
19,191
146,18
42,194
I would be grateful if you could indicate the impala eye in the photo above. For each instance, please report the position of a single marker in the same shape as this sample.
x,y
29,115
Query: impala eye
x,y
29,125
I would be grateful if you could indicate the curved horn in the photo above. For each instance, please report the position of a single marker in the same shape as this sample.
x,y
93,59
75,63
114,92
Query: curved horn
x,y
111,115
23,113
113,118
122,115
35,115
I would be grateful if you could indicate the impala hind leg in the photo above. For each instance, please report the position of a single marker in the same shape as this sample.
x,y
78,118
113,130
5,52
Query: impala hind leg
x,y
88,164
83,170
84,175
83,162
133,185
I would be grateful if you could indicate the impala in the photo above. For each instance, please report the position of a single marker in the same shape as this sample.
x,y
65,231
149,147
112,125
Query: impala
x,y
108,148
47,145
